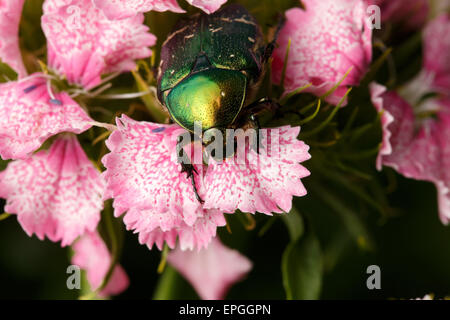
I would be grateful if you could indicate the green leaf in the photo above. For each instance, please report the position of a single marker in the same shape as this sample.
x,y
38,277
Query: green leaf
x,y
301,264
349,217
171,285
7,73
294,223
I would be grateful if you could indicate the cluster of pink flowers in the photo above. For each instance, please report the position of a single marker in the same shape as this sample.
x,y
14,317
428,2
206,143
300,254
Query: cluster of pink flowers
x,y
59,193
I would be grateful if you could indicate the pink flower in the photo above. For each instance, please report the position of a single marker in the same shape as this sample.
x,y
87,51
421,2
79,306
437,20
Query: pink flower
x,y
144,178
121,9
92,255
327,39
55,193
421,154
29,116
413,14
211,271
436,53
264,182
83,44
10,13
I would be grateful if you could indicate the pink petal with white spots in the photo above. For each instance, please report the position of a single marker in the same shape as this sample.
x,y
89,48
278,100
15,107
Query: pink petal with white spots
x,y
327,39
412,14
29,116
145,179
377,92
121,9
211,271
209,6
92,255
55,193
437,52
83,44
10,14
264,182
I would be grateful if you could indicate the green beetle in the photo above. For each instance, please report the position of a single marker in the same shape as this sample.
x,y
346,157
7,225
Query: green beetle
x,y
209,67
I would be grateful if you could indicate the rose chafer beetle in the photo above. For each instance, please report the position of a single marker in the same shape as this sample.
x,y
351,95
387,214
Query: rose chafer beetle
x,y
210,66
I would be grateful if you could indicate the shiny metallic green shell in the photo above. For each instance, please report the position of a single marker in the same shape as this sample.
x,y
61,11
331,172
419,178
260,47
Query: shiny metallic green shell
x,y
207,66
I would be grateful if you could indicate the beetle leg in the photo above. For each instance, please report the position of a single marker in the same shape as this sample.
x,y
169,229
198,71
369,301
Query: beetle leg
x,y
268,51
254,120
190,170
263,104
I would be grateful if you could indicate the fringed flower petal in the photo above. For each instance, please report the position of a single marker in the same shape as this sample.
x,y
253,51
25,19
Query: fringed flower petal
x,y
121,9
92,255
83,44
10,14
400,131
211,271
209,6
264,182
327,39
29,116
386,118
55,193
145,179
443,192
193,237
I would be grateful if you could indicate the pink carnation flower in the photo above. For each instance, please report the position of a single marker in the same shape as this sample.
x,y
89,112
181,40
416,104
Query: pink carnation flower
x,y
144,178
92,255
83,44
10,14
211,271
29,116
55,193
412,13
327,39
121,9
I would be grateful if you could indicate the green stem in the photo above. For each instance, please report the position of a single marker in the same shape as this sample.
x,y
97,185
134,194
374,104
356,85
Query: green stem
x,y
324,124
4,216
165,288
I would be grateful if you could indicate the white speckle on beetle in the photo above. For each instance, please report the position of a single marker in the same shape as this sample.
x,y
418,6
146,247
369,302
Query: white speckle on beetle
x,y
251,39
245,21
